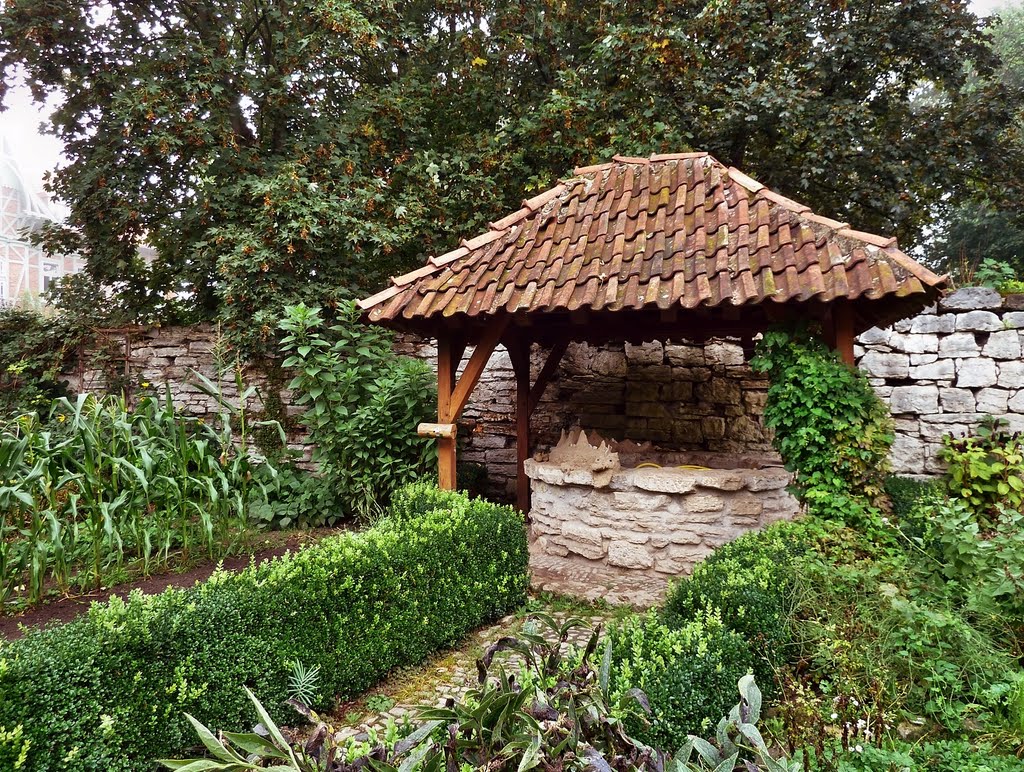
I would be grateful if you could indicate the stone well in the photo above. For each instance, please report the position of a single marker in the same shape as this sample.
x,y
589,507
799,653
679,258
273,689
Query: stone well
x,y
619,522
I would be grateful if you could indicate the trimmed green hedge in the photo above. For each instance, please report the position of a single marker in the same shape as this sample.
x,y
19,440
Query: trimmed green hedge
x,y
749,583
688,673
107,691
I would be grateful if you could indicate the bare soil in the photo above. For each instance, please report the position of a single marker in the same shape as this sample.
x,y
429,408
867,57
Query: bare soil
x,y
271,545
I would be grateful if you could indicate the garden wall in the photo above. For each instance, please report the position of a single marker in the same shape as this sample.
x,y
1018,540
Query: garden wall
x,y
941,372
946,369
140,360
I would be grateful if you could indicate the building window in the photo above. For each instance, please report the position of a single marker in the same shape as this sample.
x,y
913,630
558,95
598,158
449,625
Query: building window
x,y
51,272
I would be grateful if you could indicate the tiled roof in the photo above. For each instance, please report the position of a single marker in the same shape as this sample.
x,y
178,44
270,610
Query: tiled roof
x,y
668,231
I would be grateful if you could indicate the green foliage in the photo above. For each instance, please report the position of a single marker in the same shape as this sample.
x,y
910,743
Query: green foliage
x,y
749,584
982,244
556,715
874,631
737,743
938,756
304,683
104,482
992,273
687,672
986,471
32,352
274,155
14,747
988,564
107,691
830,427
363,404
906,494
296,498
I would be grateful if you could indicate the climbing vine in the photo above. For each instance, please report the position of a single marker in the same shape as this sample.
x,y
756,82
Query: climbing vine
x,y
832,430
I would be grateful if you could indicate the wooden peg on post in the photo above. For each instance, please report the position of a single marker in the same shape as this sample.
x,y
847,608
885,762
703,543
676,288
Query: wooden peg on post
x,y
437,430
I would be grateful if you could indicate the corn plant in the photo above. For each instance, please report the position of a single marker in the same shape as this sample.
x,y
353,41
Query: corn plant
x,y
104,482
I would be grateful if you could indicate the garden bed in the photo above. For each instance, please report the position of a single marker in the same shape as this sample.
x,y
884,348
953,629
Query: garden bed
x,y
270,545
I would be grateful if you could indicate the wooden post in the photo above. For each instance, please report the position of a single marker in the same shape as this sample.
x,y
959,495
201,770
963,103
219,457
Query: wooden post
x,y
446,370
519,353
453,392
842,321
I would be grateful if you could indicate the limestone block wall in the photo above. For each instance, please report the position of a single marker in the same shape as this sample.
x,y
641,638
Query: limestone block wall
x,y
140,360
621,535
943,371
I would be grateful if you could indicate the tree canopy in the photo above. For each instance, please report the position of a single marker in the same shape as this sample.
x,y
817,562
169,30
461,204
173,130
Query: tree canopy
x,y
273,151
988,223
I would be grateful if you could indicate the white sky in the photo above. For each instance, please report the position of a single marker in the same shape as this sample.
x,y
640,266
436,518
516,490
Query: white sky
x,y
38,152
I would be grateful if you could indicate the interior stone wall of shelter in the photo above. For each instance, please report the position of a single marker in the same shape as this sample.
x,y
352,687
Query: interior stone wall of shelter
x,y
678,395
946,369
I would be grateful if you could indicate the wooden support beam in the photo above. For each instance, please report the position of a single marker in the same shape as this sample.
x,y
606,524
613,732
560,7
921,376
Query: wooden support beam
x,y
453,393
519,353
842,322
468,380
546,373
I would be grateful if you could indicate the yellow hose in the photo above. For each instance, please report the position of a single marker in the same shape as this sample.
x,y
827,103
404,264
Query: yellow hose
x,y
652,465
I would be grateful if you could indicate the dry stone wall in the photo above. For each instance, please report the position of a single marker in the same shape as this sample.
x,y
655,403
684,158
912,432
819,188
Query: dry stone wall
x,y
142,360
943,371
622,534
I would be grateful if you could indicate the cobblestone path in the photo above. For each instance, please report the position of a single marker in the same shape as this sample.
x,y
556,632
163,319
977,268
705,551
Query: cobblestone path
x,y
450,674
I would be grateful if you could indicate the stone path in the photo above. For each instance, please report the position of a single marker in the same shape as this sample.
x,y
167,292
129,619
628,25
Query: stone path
x,y
452,673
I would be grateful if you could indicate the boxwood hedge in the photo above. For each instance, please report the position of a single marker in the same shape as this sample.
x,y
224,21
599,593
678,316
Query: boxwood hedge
x,y
107,691
749,583
688,673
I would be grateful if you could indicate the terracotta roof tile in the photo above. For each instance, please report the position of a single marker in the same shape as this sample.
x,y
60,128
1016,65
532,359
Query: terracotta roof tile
x,y
675,230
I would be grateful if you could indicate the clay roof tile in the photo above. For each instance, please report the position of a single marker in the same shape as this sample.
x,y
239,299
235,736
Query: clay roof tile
x,y
672,230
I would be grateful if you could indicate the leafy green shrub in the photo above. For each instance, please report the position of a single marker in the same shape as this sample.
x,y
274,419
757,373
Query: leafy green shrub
x,y
108,691
688,673
906,493
988,565
749,583
555,713
994,273
938,756
872,629
32,352
830,427
986,470
363,404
